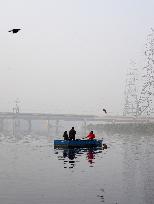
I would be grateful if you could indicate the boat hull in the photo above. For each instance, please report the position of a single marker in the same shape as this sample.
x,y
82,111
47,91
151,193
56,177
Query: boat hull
x,y
77,143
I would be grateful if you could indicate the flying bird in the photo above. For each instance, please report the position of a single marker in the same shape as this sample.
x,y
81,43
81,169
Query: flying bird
x,y
14,30
105,111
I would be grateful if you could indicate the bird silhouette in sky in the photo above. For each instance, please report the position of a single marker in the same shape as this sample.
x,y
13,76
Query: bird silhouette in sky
x,y
16,30
105,111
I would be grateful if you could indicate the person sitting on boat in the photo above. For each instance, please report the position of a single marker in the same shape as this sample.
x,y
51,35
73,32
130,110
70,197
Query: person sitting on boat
x,y
72,134
65,135
91,135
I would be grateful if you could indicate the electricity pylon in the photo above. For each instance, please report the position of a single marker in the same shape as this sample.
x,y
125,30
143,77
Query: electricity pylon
x,y
131,99
16,108
147,91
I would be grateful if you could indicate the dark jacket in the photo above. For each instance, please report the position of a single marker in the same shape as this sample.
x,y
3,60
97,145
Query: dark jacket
x,y
65,135
72,134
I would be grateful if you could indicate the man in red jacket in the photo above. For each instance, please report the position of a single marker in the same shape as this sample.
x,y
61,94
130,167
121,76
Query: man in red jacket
x,y
91,135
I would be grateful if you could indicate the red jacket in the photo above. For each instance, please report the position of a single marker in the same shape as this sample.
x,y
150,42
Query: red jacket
x,y
91,136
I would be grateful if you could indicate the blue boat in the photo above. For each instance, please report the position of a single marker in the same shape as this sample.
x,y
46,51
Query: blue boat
x,y
77,143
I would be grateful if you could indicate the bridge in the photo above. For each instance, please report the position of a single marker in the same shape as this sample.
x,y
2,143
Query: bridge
x,y
74,117
52,120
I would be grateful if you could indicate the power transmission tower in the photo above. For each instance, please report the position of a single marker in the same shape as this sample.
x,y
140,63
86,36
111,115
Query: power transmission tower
x,y
16,108
147,91
131,99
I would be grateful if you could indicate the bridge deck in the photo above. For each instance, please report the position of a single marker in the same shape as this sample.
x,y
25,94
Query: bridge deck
x,y
74,117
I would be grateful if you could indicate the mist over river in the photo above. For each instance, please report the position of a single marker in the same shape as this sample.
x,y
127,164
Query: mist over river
x,y
33,172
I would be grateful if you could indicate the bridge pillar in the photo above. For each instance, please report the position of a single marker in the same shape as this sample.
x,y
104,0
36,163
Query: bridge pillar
x,y
14,127
17,123
57,126
29,125
49,125
1,125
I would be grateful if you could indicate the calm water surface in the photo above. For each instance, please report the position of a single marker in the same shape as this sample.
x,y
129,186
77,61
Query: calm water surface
x,y
32,172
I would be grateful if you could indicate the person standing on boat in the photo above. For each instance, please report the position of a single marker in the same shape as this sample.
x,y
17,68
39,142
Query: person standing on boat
x,y
91,135
72,134
65,135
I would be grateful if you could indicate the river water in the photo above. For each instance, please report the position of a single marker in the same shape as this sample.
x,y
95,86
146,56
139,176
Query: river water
x,y
33,172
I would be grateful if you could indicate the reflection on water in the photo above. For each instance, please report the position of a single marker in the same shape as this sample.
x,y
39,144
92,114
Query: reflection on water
x,y
72,156
32,171
101,195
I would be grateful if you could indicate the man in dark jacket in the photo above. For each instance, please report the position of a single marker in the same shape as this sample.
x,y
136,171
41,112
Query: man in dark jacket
x,y
72,134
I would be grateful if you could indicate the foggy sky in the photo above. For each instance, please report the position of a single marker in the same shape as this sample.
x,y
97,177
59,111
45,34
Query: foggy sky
x,y
71,56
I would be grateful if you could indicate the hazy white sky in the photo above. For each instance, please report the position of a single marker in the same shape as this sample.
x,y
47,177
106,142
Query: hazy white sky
x,y
71,56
